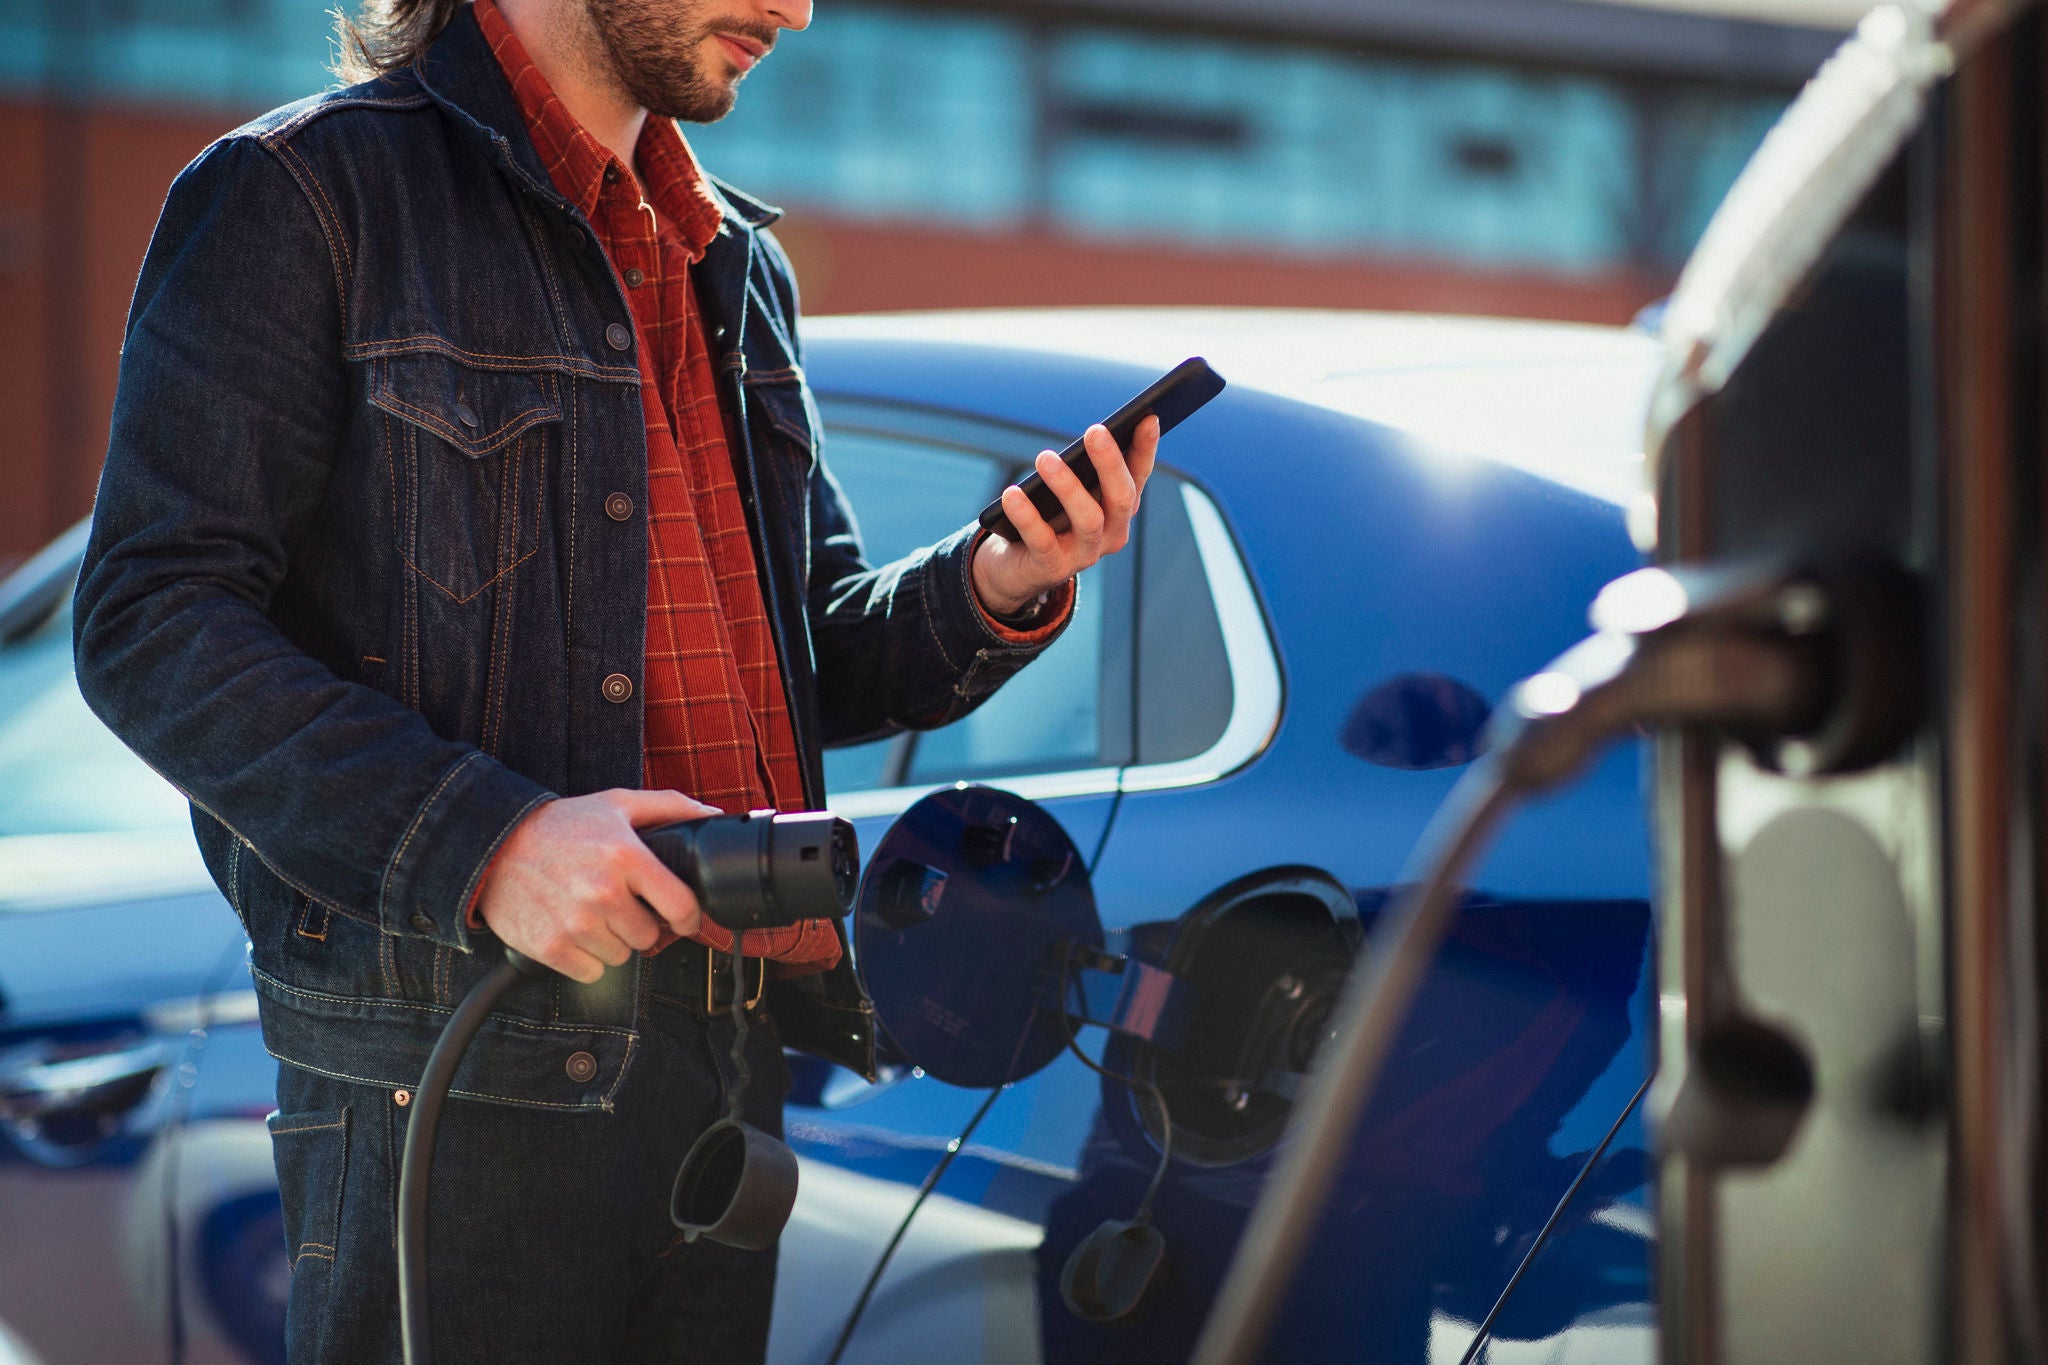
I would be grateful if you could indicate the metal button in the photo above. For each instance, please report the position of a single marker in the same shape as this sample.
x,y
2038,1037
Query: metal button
x,y
618,507
423,921
617,687
619,336
581,1066
401,1098
635,277
465,414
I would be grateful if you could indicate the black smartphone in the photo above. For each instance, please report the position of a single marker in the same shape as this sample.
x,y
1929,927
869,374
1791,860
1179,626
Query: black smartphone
x,y
1177,393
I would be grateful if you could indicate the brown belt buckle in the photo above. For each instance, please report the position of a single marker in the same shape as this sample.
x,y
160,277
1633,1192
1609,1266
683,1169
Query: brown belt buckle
x,y
713,970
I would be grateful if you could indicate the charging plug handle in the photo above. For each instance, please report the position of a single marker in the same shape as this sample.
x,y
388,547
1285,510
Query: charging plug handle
x,y
763,869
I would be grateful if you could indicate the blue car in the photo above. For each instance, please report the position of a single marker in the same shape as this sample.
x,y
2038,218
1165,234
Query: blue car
x,y
1342,563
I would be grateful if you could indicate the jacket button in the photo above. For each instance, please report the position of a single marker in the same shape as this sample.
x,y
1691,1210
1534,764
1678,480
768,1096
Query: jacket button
x,y
619,336
635,277
618,507
617,687
581,1066
465,415
423,922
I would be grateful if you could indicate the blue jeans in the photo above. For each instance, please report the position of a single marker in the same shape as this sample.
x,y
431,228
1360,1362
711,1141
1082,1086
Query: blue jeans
x,y
551,1240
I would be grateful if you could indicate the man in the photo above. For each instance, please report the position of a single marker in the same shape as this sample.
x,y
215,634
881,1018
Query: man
x,y
464,512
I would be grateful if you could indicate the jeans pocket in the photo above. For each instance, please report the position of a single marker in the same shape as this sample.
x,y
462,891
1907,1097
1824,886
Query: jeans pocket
x,y
311,1151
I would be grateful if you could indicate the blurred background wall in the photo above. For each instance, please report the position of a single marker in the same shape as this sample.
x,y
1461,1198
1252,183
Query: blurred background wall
x,y
1542,158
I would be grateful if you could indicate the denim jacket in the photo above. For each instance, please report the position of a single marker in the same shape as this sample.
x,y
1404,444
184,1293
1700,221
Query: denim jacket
x,y
362,583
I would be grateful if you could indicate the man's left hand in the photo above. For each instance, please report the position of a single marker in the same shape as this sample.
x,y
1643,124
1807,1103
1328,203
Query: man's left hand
x,y
1008,574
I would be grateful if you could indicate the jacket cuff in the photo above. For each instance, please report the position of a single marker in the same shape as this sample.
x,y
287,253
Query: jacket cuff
x,y
961,609
1038,624
433,877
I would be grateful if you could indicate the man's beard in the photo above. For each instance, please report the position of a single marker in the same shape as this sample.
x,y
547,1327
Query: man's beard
x,y
658,52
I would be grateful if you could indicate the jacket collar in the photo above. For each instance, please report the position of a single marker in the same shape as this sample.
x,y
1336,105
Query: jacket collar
x,y
462,76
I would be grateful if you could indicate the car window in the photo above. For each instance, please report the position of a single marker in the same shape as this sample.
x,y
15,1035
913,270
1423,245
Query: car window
x,y
61,771
1071,707
908,493
79,814
1046,718
1183,683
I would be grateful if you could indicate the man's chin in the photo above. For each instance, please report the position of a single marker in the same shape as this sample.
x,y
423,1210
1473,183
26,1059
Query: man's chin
x,y
704,103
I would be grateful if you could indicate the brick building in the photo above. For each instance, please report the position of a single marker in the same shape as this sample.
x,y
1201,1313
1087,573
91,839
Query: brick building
x,y
1551,158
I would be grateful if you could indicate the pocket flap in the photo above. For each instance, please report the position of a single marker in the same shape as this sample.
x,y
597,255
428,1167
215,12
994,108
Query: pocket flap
x,y
787,404
477,411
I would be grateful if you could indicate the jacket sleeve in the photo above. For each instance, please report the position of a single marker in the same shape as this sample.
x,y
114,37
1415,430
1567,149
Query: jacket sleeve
x,y
230,413
905,645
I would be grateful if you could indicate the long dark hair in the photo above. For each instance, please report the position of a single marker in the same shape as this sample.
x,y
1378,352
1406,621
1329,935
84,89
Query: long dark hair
x,y
387,35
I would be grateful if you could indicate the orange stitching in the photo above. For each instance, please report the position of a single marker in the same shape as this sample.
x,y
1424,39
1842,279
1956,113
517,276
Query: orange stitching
x,y
300,173
458,598
334,216
514,427
309,1128
429,343
390,466
418,816
333,106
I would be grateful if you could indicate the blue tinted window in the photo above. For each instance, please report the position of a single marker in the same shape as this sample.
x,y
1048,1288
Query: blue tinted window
x,y
883,113
1003,122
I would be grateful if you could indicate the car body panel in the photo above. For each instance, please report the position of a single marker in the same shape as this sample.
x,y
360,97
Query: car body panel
x,y
1381,528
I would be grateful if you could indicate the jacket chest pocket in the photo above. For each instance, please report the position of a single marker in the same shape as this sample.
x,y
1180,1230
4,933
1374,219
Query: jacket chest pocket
x,y
469,456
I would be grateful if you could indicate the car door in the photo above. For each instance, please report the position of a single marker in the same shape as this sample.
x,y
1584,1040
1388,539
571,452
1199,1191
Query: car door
x,y
138,1210
970,1277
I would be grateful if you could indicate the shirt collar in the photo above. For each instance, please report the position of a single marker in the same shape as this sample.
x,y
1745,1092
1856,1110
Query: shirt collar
x,y
577,162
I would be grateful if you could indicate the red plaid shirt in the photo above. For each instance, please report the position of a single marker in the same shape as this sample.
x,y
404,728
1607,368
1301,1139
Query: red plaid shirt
x,y
717,725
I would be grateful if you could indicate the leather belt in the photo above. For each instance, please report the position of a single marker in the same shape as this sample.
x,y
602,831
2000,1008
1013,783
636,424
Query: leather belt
x,y
698,977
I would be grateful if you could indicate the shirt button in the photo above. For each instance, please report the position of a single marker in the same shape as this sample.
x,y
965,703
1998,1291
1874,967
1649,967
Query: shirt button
x,y
635,278
611,174
616,687
423,922
466,415
581,1066
619,335
618,507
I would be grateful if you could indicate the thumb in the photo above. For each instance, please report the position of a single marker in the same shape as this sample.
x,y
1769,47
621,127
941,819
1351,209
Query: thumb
x,y
660,807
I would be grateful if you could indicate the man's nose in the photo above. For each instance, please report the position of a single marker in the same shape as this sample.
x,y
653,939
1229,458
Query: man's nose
x,y
792,14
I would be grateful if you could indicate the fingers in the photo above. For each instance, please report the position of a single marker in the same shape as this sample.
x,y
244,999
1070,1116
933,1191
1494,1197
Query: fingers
x,y
666,894
1037,537
644,808
573,963
1118,487
1143,453
1084,514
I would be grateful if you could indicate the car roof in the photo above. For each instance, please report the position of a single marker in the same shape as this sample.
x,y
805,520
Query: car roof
x,y
1563,401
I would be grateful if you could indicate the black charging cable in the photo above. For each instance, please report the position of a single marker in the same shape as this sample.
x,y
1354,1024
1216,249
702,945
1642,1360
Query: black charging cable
x,y
1762,656
761,869
930,1183
416,1167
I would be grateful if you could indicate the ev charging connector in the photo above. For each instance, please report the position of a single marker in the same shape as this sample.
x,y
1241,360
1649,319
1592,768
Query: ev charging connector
x,y
736,1185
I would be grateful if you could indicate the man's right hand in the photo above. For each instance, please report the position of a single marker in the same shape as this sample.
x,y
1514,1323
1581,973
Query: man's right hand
x,y
572,885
